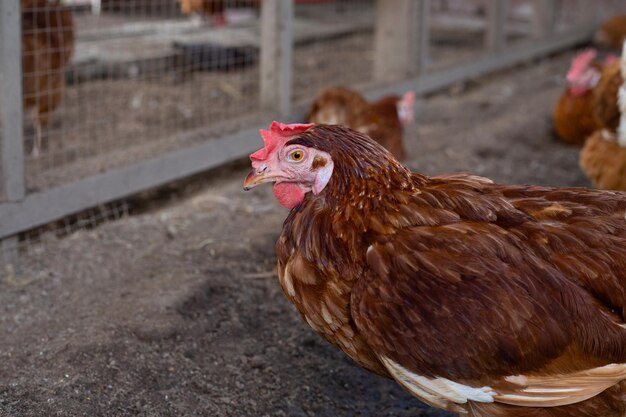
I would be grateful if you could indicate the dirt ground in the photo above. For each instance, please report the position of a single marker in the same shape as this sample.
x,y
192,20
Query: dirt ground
x,y
177,311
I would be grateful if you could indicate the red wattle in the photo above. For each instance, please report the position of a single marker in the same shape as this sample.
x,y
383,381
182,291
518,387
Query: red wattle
x,y
288,194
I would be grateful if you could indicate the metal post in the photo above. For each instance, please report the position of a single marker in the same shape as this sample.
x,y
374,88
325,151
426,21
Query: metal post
x,y
276,56
423,33
401,38
11,141
495,34
544,18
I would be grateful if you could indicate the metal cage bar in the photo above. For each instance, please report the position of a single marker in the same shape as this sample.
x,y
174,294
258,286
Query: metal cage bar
x,y
423,35
12,179
11,109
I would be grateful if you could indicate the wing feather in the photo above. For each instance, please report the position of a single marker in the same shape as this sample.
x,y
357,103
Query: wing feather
x,y
454,311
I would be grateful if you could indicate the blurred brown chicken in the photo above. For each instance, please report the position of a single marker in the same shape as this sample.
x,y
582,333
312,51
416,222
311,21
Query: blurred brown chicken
x,y
214,9
612,33
47,46
574,118
484,299
603,158
604,104
383,120
604,161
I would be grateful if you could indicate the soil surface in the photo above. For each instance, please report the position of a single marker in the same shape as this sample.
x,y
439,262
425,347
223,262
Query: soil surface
x,y
177,311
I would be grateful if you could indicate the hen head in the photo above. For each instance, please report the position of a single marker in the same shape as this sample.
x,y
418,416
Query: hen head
x,y
583,75
293,168
305,158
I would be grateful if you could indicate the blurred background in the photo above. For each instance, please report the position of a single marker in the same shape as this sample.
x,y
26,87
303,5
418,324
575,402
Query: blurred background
x,y
120,96
136,278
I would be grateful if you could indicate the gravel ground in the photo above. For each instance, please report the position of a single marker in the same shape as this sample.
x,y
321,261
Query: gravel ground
x,y
176,311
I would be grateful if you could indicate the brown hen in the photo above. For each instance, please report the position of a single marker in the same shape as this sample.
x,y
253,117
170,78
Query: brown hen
x,y
603,158
604,161
47,46
484,299
383,120
214,9
573,114
604,104
612,32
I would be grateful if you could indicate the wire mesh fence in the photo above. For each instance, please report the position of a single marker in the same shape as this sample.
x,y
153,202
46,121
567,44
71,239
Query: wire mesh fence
x,y
142,75
108,84
457,32
334,43
27,251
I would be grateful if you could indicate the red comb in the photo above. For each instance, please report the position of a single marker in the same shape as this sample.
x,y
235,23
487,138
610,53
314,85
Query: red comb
x,y
278,134
580,63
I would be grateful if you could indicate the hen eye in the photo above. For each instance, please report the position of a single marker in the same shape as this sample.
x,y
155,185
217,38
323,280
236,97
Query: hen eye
x,y
296,156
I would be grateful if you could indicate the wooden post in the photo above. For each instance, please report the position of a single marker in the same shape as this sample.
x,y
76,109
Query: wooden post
x,y
495,33
11,135
401,38
587,13
544,18
276,56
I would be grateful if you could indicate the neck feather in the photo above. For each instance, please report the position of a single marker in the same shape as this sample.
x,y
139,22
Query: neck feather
x,y
365,174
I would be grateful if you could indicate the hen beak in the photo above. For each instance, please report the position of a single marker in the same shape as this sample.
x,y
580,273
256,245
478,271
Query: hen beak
x,y
257,177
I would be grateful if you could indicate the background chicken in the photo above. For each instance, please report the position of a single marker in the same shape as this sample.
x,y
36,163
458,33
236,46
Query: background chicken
x,y
604,104
215,9
574,120
47,46
612,33
383,120
603,158
480,298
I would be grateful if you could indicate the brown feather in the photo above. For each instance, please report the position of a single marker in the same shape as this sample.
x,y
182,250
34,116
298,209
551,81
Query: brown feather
x,y
604,161
47,46
612,32
605,106
378,120
573,117
206,7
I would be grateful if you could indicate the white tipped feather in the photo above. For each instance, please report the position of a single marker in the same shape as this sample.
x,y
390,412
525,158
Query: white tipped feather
x,y
287,281
519,390
623,60
621,130
556,390
437,391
